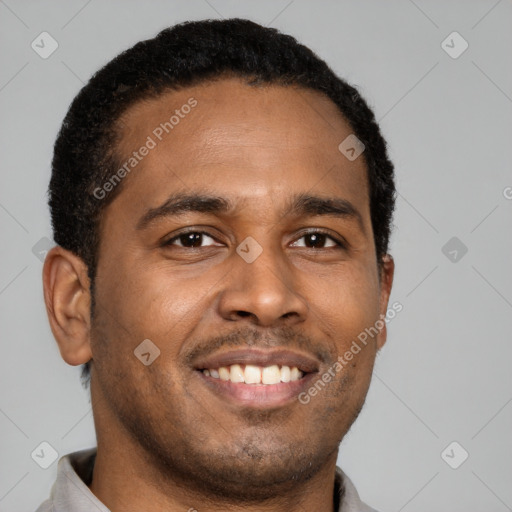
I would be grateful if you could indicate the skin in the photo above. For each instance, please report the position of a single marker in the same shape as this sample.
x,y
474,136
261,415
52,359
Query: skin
x,y
166,441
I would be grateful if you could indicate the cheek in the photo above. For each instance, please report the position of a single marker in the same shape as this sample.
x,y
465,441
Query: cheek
x,y
345,302
155,302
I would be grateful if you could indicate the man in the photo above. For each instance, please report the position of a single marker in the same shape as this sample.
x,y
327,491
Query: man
x,y
222,205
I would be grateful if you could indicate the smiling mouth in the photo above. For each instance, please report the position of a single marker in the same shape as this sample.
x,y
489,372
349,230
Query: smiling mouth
x,y
257,378
252,374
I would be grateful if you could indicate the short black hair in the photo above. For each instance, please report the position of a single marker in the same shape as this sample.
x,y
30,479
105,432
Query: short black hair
x,y
184,55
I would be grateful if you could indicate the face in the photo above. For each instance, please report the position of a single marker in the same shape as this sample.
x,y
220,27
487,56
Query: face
x,y
241,246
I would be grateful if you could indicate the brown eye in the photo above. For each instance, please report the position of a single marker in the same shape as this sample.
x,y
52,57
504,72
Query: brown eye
x,y
192,239
317,240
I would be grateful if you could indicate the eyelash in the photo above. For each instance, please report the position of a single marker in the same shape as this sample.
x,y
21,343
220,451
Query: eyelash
x,y
340,244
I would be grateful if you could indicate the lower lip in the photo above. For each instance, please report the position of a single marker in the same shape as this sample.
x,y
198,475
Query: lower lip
x,y
257,395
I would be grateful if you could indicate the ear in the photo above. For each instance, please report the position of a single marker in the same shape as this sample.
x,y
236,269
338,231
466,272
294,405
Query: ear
x,y
68,300
386,282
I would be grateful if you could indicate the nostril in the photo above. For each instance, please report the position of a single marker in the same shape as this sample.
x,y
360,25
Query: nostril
x,y
243,313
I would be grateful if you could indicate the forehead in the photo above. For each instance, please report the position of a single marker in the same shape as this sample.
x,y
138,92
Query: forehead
x,y
247,142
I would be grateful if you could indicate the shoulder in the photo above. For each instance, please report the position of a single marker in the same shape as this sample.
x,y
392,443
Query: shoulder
x,y
350,500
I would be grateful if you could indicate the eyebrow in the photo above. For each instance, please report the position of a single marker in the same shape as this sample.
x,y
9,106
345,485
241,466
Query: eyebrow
x,y
305,204
299,205
180,203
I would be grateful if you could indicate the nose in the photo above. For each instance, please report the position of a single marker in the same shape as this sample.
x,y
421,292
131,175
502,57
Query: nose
x,y
264,292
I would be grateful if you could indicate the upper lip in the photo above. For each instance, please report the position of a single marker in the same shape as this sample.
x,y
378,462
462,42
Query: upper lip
x,y
257,357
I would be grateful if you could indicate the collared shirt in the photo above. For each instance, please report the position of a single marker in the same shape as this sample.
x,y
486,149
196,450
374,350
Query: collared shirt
x,y
70,492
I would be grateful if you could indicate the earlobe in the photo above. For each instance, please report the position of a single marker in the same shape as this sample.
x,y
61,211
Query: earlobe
x,y
67,299
386,283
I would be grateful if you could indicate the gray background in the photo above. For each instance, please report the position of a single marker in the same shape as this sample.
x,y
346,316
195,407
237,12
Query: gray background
x,y
444,374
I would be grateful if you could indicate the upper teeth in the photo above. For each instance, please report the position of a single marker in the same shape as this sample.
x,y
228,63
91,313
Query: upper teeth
x,y
251,374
